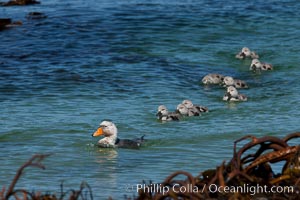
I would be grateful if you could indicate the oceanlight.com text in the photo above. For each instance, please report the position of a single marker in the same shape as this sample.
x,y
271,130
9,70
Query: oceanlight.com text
x,y
250,189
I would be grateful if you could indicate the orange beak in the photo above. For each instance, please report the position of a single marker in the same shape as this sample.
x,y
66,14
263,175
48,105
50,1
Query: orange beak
x,y
98,132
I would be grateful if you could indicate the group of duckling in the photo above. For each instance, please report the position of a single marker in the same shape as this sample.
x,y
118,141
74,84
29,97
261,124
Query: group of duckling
x,y
228,82
233,84
256,65
185,109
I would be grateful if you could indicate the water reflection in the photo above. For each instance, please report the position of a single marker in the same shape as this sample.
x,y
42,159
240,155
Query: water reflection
x,y
231,105
106,155
106,170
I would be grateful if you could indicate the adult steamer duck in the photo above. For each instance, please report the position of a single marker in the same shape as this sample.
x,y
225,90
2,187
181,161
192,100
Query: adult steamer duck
x,y
110,132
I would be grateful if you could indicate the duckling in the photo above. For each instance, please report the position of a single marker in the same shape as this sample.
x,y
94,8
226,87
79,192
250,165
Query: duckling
x,y
212,79
182,109
246,53
233,95
195,109
237,83
164,115
256,65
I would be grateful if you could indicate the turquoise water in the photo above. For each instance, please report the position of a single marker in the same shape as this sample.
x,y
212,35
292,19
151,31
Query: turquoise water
x,y
89,61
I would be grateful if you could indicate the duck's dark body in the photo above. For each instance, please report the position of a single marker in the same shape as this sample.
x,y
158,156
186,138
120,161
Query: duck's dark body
x,y
126,143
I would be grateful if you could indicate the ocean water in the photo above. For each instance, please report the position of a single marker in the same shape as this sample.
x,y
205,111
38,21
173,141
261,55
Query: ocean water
x,y
87,61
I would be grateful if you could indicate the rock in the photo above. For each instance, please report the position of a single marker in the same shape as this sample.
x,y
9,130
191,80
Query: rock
x,y
7,22
20,2
36,15
4,22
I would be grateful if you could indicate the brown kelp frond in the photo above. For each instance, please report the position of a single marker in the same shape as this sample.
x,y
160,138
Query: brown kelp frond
x,y
84,192
35,161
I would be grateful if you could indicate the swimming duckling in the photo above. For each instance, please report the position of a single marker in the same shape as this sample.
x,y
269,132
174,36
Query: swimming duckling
x,y
195,109
233,95
212,79
164,115
182,109
229,81
256,65
246,53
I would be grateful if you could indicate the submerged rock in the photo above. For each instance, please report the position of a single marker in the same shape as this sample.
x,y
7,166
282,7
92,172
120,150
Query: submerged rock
x,y
36,15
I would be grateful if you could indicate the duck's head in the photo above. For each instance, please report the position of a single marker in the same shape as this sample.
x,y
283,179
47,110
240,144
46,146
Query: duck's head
x,y
255,64
228,81
188,103
232,92
162,111
246,52
182,109
107,129
205,80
